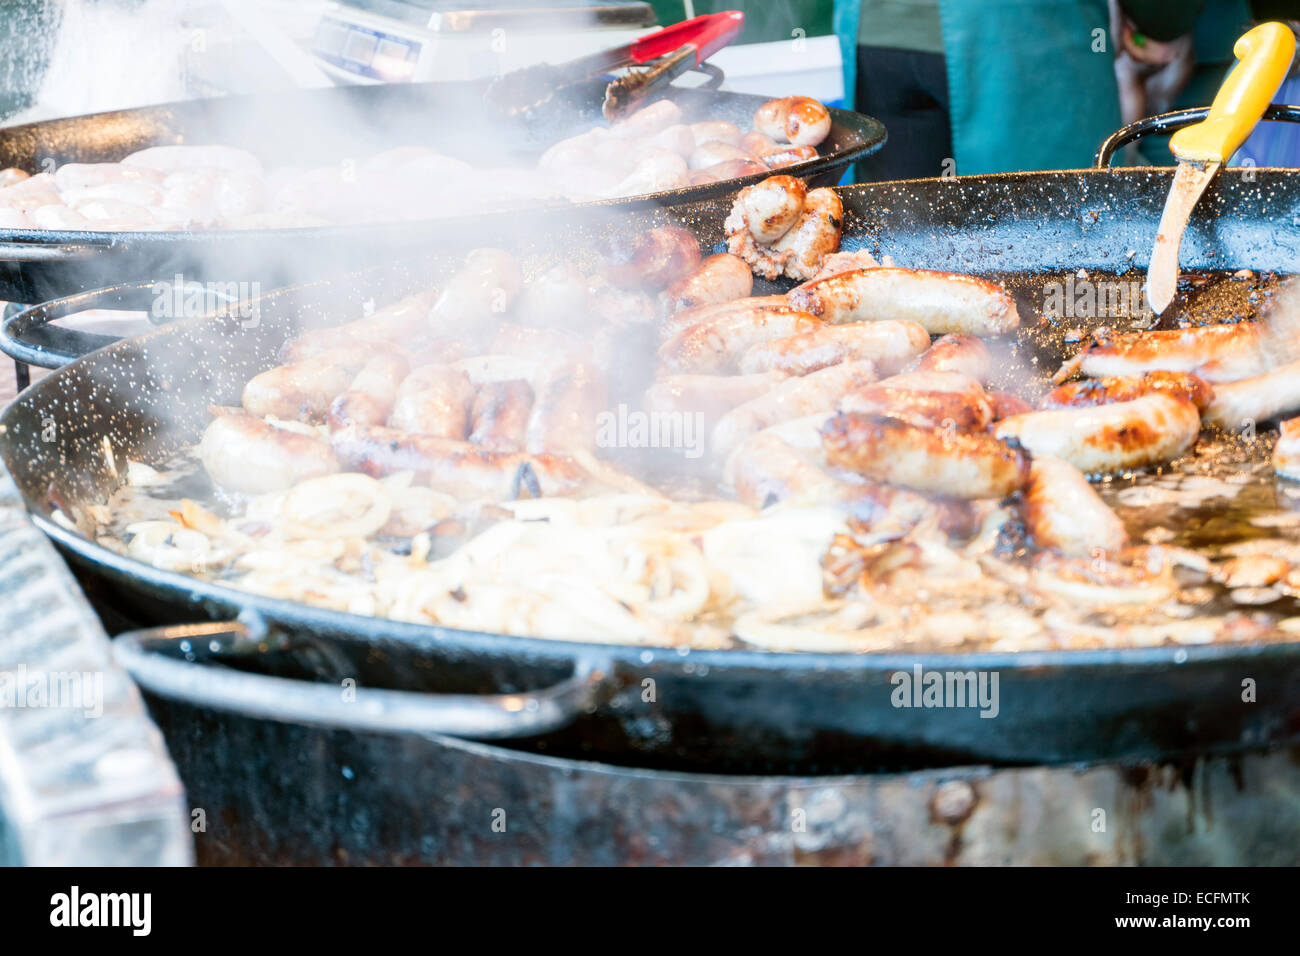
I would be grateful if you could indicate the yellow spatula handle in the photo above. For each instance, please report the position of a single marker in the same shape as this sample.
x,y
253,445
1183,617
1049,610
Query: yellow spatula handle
x,y
1265,54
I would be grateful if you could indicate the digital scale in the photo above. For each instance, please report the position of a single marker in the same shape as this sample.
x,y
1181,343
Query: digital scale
x,y
387,41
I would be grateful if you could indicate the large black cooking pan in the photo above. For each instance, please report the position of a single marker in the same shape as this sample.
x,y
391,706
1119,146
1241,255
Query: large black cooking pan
x,y
318,127
734,709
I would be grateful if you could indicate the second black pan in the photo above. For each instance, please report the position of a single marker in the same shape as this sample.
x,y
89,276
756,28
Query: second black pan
x,y
317,127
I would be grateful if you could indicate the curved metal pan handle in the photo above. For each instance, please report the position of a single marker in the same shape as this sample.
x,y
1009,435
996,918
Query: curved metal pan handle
x,y
28,338
1168,122
168,661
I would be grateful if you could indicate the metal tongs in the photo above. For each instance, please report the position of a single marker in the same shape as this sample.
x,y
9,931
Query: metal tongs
x,y
666,54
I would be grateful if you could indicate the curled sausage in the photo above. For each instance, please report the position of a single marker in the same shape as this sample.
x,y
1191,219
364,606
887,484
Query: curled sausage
x,y
814,237
456,467
932,461
1063,512
1104,391
1150,430
717,345
768,210
719,278
890,345
245,454
941,302
801,120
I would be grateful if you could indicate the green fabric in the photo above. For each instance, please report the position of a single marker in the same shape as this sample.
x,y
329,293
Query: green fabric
x,y
901,25
1028,92
1026,89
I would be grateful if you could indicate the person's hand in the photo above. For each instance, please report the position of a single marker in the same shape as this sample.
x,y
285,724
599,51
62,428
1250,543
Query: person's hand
x,y
1150,73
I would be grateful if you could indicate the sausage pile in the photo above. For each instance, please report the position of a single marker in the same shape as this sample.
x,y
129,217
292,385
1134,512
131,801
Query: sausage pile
x,y
207,187
865,488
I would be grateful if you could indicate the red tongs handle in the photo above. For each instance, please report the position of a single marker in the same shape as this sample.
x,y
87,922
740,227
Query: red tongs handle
x,y
710,33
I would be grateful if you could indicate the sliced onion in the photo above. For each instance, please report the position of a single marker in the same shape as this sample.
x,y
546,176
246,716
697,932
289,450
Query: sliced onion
x,y
336,506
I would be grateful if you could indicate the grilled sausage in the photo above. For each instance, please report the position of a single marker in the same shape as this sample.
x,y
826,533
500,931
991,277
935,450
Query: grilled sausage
x,y
1150,430
801,120
1105,391
780,156
756,142
245,454
718,344
456,467
921,407
719,278
791,399
932,461
957,352
1256,399
499,416
1063,512
369,399
941,302
714,152
438,404
1216,353
568,396
652,260
392,324
303,390
649,120
1004,405
767,471
719,131
673,324
890,345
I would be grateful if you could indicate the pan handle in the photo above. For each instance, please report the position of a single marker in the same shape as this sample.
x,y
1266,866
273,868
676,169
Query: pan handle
x,y
1168,122
28,338
168,661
